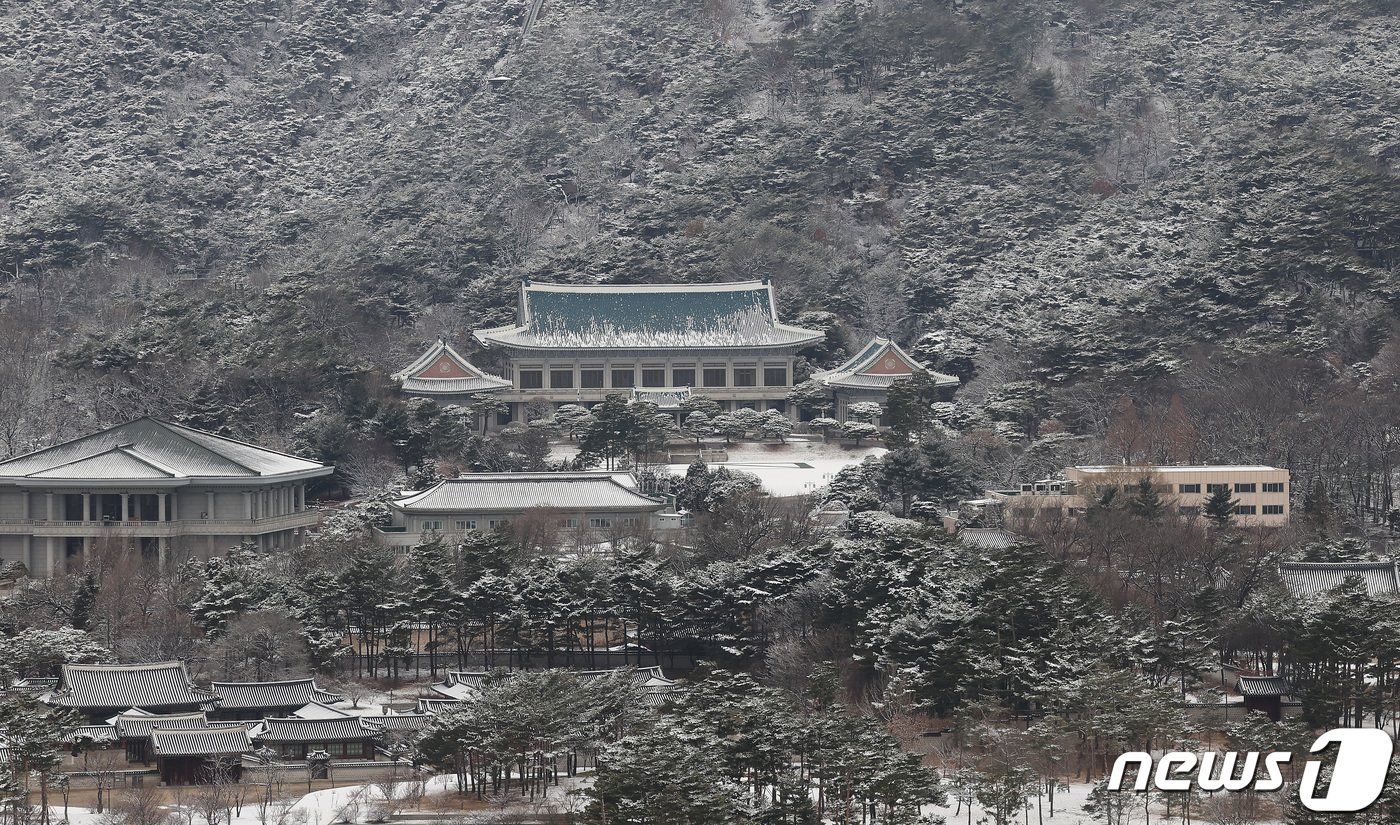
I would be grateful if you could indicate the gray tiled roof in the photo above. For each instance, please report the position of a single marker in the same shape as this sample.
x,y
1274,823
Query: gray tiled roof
x,y
988,538
315,730
151,685
148,448
399,721
1262,686
139,725
97,733
514,492
599,316
430,705
418,380
859,372
206,742
650,682
1311,578
291,693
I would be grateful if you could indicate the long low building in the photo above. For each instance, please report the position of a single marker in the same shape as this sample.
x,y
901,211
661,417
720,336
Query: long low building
x,y
167,491
1260,493
594,503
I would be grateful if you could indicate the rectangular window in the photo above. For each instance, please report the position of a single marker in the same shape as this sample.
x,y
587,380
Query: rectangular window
x,y
598,522
1188,488
461,525
531,379
590,379
492,524
653,377
715,377
561,379
745,377
568,522
775,376
1245,488
1273,486
1245,509
629,521
1217,488
1272,510
432,525
683,377
623,378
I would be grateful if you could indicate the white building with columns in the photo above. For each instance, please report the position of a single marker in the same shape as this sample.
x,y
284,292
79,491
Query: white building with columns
x,y
165,491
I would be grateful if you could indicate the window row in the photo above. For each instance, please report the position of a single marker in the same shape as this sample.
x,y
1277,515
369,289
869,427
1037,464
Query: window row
x,y
1240,509
592,378
1239,487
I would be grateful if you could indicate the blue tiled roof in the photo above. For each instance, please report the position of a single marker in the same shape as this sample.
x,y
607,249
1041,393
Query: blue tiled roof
x,y
672,315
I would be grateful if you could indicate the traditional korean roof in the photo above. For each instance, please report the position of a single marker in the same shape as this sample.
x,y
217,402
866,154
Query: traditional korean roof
x,y
399,721
1312,578
433,706
316,710
156,452
95,733
315,730
443,371
667,398
150,685
988,538
1262,686
514,492
877,367
135,724
667,316
651,683
291,693
205,742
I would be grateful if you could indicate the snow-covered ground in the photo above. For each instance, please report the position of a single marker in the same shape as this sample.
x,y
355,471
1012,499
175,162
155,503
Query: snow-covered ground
x,y
793,468
1069,810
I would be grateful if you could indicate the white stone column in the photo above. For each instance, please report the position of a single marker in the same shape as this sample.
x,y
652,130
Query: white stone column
x,y
48,554
126,507
248,505
49,497
29,554
209,503
162,551
160,506
87,507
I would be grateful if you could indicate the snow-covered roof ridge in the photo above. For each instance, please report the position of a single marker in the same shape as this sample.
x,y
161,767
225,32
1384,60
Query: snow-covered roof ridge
x,y
441,370
514,492
877,366
665,316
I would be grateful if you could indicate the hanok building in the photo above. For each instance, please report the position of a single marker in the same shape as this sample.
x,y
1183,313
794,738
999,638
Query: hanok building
x,y
99,692
869,374
579,343
168,491
1307,579
256,700
344,737
592,502
1263,694
443,375
199,756
134,728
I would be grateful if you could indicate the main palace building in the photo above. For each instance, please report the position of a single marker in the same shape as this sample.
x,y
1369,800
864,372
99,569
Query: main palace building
x,y
578,344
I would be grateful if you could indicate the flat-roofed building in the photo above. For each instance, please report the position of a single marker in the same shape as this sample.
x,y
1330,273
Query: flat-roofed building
x,y
169,491
579,343
1261,493
587,502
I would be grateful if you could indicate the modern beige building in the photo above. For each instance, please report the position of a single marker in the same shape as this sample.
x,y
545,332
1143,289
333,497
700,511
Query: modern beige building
x,y
167,491
1261,493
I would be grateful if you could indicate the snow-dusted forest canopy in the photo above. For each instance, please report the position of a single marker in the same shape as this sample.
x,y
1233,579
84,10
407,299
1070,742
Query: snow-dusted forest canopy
x,y
1179,216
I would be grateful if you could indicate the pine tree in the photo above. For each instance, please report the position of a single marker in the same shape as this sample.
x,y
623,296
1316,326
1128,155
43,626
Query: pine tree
x,y
1220,507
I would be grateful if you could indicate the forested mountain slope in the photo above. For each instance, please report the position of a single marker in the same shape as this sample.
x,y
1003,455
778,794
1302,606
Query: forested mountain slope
x,y
227,211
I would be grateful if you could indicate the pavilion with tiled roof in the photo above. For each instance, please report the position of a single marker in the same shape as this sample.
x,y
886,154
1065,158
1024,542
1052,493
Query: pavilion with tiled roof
x,y
101,691
1306,579
186,756
578,343
445,375
484,501
869,374
255,700
343,738
160,487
